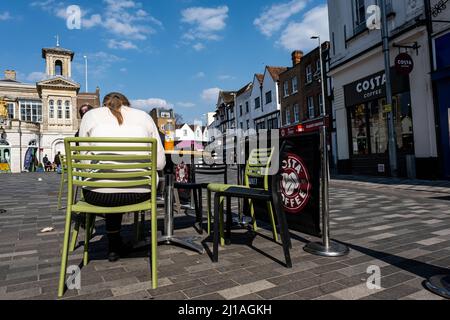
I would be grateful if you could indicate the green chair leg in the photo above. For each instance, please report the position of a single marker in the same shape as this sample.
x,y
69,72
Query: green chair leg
x,y
154,237
252,213
64,256
221,222
272,221
75,233
87,237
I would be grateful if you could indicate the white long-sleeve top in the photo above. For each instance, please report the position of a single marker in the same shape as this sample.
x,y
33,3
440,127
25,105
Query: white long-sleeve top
x,y
101,123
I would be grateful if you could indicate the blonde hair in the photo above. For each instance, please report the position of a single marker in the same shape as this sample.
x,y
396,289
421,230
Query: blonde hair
x,y
114,102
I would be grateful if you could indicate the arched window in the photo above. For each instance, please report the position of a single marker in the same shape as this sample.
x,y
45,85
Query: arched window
x,y
58,68
51,109
60,110
67,109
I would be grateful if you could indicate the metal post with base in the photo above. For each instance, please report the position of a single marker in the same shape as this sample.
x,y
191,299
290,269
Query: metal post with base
x,y
326,248
168,237
439,285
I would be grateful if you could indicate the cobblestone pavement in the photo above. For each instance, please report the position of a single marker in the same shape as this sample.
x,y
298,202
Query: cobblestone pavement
x,y
404,228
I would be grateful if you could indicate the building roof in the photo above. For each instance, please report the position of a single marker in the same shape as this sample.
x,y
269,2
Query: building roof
x,y
276,71
260,78
9,80
57,50
244,89
228,96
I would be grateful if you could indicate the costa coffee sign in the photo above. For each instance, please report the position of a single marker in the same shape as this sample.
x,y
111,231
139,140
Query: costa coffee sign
x,y
374,87
295,184
404,64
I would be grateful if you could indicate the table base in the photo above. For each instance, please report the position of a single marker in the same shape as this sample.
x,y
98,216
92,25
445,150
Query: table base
x,y
187,242
439,285
334,250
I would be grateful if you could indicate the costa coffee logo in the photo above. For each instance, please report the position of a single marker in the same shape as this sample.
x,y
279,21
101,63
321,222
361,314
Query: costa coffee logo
x,y
295,184
371,84
404,63
182,173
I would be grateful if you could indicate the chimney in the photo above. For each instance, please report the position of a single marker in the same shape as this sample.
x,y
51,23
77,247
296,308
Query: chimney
x,y
10,75
297,56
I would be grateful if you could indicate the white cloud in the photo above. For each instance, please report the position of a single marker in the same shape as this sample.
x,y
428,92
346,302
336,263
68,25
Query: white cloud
x,y
36,76
226,77
198,46
5,16
149,104
273,18
122,44
199,75
125,19
91,22
100,63
205,23
298,35
210,95
185,104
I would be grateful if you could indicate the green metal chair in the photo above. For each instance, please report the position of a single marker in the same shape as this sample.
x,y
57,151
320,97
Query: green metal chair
x,y
110,163
63,181
257,166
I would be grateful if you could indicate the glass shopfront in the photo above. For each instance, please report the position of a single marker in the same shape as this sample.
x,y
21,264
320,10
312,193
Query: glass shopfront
x,y
369,130
368,124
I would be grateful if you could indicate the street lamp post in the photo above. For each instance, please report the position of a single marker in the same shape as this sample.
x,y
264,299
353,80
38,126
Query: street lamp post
x,y
86,72
390,111
326,248
3,137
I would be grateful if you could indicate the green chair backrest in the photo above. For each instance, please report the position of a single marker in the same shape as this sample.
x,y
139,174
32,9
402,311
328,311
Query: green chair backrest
x,y
111,162
258,165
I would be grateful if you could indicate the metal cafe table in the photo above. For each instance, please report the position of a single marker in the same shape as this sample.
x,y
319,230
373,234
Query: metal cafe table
x,y
168,235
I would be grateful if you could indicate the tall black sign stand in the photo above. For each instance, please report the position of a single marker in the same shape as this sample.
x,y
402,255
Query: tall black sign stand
x,y
326,248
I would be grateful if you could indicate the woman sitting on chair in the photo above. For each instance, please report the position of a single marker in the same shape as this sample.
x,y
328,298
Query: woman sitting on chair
x,y
117,119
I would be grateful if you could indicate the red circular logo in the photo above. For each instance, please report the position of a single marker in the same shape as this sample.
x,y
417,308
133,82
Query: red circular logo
x,y
182,173
404,64
295,184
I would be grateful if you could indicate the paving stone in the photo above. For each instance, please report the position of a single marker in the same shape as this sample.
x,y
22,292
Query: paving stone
x,y
395,224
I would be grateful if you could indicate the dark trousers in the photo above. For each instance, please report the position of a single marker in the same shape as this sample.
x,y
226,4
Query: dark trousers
x,y
113,222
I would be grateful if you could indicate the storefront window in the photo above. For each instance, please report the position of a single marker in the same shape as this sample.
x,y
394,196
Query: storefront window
x,y
369,126
403,120
378,127
359,130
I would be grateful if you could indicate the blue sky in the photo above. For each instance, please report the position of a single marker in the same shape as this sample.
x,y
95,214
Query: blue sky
x,y
158,53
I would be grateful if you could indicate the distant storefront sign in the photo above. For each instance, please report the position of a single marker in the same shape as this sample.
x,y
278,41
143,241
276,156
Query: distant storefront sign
x,y
374,87
404,64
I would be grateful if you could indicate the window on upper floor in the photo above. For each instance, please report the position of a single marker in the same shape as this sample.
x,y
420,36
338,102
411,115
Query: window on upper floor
x,y
240,110
294,85
51,109
311,107
288,115
248,124
185,133
318,66
296,113
67,109
247,107
286,88
268,97
359,15
31,111
60,110
11,111
309,74
257,103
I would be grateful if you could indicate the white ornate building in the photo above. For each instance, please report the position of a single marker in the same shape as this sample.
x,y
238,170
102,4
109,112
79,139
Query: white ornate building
x,y
41,115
